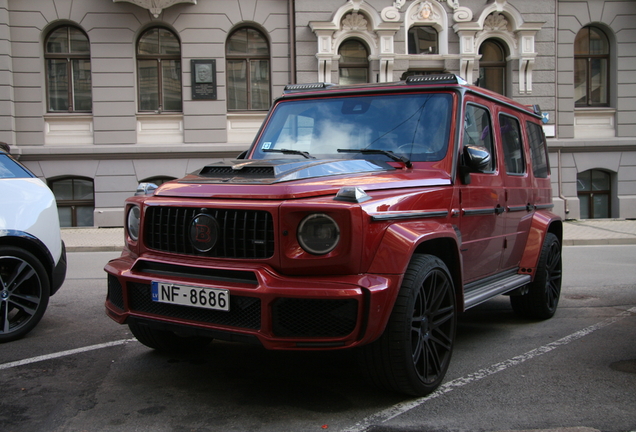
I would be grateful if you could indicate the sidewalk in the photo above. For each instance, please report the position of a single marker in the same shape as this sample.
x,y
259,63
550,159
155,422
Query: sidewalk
x,y
585,232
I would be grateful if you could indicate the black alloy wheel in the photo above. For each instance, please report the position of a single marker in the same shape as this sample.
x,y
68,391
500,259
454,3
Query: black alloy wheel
x,y
24,292
413,354
544,292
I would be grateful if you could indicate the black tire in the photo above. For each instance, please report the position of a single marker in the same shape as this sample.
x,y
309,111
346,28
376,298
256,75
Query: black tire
x,y
167,341
542,298
413,353
24,292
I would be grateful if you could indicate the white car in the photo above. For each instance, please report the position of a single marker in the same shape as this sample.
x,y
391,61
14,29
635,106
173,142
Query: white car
x,y
32,253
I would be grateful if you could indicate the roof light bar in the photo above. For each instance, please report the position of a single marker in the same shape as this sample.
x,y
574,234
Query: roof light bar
x,y
435,79
309,86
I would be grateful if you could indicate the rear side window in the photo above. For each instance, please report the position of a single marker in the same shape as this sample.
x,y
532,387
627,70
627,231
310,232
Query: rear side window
x,y
12,169
538,152
512,144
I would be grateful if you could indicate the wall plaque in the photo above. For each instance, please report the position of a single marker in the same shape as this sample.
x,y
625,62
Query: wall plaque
x,y
203,73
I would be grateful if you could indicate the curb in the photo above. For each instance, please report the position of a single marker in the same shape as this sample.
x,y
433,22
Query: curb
x,y
599,242
112,248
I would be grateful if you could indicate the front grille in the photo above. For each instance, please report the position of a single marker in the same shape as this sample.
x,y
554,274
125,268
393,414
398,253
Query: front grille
x,y
245,312
242,233
314,318
115,292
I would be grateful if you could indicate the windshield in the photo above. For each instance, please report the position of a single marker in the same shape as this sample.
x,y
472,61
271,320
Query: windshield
x,y
9,168
416,126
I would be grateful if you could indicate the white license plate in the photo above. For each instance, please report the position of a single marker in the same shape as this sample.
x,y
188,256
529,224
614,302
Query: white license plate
x,y
208,298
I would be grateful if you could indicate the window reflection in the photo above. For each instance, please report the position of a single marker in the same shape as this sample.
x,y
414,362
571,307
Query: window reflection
x,y
159,71
591,67
75,201
248,70
68,70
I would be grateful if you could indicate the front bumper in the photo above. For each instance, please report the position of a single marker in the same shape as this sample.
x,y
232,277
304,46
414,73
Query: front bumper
x,y
280,312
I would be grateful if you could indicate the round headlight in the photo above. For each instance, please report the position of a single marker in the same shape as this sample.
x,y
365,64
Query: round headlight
x,y
318,234
133,222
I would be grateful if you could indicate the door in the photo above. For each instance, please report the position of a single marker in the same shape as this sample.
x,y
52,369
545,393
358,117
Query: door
x,y
482,201
518,186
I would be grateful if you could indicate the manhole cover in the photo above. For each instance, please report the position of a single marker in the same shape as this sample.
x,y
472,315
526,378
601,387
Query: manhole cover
x,y
628,366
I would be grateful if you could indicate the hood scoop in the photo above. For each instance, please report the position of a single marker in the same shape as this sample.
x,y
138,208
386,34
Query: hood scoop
x,y
281,170
230,171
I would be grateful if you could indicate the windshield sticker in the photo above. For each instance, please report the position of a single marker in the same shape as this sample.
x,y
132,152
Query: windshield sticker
x,y
266,145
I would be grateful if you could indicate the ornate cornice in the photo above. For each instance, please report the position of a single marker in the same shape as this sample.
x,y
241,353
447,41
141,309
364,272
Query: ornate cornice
x,y
156,6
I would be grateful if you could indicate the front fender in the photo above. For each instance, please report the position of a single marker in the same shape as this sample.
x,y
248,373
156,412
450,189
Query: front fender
x,y
402,240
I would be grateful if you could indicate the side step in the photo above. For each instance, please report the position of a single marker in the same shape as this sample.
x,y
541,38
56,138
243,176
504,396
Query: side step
x,y
478,292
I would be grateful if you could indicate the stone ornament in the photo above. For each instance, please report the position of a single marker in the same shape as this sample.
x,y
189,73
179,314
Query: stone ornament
x,y
156,6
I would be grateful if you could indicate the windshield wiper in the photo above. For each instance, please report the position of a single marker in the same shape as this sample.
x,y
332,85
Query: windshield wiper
x,y
287,151
386,153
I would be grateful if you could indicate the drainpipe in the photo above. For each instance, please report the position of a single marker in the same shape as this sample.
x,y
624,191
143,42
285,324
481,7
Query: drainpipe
x,y
292,42
560,184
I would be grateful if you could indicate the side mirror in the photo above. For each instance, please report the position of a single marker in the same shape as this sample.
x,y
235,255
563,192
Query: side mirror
x,y
475,159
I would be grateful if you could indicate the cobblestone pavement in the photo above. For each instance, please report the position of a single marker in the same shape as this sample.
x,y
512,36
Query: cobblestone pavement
x,y
583,232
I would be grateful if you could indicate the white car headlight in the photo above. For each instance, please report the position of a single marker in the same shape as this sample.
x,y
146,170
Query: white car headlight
x,y
132,224
318,234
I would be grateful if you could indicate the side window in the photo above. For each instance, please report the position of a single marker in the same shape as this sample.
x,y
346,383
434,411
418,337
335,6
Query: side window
x,y
478,131
68,70
512,144
538,151
75,198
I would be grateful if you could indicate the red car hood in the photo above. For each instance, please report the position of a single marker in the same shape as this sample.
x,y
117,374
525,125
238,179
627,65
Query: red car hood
x,y
285,179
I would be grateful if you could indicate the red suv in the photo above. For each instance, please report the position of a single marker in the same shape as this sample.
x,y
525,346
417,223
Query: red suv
x,y
361,216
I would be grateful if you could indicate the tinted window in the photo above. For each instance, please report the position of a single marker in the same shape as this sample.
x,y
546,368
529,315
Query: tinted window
x,y
478,132
414,125
512,144
537,150
12,169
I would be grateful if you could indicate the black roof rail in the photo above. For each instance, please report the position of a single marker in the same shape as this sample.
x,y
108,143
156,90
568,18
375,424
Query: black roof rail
x,y
435,79
309,86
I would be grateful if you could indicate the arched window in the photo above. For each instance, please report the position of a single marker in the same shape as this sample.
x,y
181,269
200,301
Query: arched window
x,y
68,70
423,40
75,198
354,63
492,66
159,70
248,70
594,192
591,67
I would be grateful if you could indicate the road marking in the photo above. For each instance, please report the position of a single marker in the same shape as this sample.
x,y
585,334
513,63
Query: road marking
x,y
403,407
64,353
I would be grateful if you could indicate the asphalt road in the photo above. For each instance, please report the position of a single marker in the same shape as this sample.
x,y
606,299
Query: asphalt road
x,y
79,371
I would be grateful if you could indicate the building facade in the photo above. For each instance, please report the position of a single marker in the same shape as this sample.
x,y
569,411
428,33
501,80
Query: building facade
x,y
100,95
